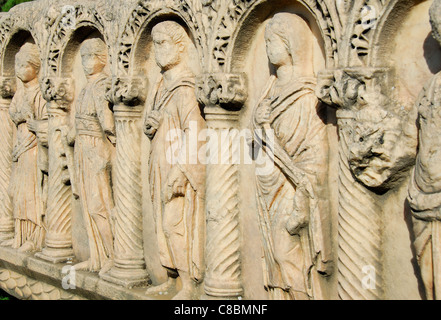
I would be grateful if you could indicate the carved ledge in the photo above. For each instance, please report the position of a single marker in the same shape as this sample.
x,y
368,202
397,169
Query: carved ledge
x,y
28,277
222,89
130,91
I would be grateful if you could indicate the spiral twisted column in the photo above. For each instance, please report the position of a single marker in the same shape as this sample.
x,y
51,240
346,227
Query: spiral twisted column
x,y
223,268
6,140
359,230
223,95
360,225
58,241
129,268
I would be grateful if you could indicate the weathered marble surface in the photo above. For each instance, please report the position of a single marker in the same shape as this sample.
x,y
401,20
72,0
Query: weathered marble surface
x,y
240,149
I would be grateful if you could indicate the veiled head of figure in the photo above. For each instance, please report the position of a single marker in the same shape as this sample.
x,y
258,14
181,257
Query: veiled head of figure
x,y
27,62
435,19
288,39
170,41
93,56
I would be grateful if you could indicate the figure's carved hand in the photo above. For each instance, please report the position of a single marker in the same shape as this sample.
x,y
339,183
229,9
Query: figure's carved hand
x,y
428,215
300,217
263,112
152,123
32,125
70,136
176,183
295,223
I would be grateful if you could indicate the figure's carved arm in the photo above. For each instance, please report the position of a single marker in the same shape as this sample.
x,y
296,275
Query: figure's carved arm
x,y
40,126
187,170
105,115
424,206
17,116
151,123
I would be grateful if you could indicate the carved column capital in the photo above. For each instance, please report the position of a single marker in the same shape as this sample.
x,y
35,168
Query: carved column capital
x,y
345,88
130,91
7,87
372,121
227,90
60,90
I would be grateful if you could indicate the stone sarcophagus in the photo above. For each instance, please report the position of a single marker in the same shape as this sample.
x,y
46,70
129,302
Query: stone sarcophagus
x,y
211,149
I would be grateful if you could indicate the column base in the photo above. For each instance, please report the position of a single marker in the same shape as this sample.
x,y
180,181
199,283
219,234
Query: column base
x,y
56,255
223,290
127,278
206,297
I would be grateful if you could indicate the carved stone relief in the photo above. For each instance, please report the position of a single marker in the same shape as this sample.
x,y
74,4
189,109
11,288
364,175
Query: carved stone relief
x,y
292,214
246,149
28,184
176,184
423,187
94,139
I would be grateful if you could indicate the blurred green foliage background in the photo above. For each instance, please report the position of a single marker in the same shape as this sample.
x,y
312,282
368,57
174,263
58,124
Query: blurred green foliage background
x,y
8,4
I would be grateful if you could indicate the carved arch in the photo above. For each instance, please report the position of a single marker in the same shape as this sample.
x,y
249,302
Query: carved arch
x,y
366,31
66,25
142,15
393,14
231,25
14,32
367,22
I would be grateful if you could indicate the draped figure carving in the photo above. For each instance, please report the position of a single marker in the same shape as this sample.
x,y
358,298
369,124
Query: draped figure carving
x,y
425,183
176,182
94,139
103,186
28,186
288,126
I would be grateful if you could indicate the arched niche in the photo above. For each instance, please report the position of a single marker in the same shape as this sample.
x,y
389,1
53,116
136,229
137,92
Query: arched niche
x,y
70,53
134,37
71,59
144,64
249,56
404,41
71,67
253,27
16,41
65,37
13,44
